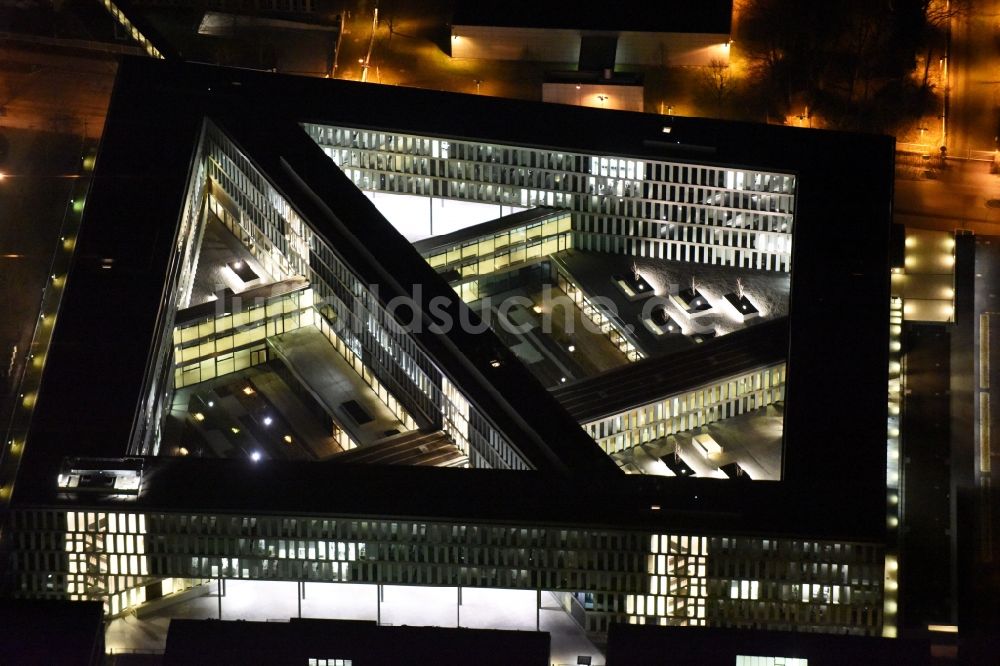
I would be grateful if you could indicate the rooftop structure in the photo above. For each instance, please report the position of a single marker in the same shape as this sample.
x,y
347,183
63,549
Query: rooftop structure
x,y
724,647
28,628
714,16
631,33
241,314
347,643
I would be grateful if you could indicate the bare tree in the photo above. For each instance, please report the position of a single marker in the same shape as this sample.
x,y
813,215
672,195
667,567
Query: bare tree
x,y
937,15
719,82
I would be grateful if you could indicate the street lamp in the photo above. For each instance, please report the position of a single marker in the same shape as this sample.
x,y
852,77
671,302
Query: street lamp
x,y
604,99
371,43
478,83
805,117
944,104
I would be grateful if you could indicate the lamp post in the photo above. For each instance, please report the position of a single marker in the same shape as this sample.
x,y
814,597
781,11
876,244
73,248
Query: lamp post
x,y
478,83
336,46
944,105
371,42
604,100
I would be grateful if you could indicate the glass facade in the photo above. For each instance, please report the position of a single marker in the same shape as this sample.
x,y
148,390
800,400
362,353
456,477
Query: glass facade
x,y
678,584
343,307
609,324
801,585
352,310
499,251
225,343
354,360
179,284
665,210
744,660
628,575
106,558
689,409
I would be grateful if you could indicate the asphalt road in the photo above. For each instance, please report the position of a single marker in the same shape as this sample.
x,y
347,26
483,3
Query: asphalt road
x,y
55,92
410,46
956,198
974,79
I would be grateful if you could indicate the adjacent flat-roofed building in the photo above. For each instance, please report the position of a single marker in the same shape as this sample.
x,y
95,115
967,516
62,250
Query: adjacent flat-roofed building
x,y
637,645
234,321
347,643
52,632
654,34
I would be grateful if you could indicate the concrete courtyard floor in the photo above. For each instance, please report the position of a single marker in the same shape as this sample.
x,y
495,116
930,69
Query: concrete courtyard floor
x,y
753,440
402,605
767,290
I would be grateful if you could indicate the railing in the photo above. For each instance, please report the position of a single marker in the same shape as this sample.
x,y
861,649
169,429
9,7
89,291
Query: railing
x,y
609,322
121,650
930,149
919,148
982,155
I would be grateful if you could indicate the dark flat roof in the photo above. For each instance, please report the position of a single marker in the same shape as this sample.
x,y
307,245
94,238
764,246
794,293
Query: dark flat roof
x,y
835,415
363,643
52,632
95,365
708,16
638,645
655,378
622,502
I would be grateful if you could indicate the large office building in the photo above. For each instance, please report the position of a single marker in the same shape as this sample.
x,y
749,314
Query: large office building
x,y
337,333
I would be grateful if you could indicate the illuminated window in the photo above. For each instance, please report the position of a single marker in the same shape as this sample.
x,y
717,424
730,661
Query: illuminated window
x,y
744,589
